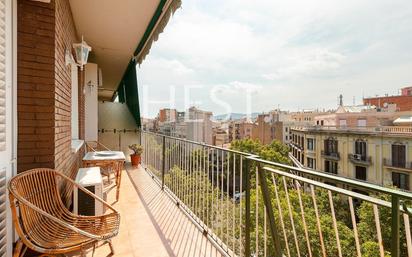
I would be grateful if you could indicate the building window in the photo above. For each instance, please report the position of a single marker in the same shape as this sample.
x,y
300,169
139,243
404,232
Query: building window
x,y
342,123
398,155
331,167
311,163
331,146
74,102
360,149
361,122
311,144
400,180
360,173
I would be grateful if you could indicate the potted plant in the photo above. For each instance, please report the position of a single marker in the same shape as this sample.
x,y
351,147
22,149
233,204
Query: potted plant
x,y
136,156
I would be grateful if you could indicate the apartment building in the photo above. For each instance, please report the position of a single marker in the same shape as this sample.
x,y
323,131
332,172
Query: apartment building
x,y
380,155
167,115
403,101
241,129
199,125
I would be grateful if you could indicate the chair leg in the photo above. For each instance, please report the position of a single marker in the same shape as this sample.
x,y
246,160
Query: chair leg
x,y
18,248
111,247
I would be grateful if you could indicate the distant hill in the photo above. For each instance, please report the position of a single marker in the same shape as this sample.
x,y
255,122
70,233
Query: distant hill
x,y
234,116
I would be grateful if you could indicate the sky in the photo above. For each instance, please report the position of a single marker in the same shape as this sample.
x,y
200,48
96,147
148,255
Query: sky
x,y
254,56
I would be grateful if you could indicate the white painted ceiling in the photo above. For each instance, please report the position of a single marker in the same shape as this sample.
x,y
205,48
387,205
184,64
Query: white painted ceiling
x,y
113,28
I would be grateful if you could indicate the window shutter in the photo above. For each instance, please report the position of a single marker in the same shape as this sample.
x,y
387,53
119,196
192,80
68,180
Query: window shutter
x,y
2,75
3,220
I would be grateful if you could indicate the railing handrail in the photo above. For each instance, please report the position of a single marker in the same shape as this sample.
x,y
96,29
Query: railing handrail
x,y
396,204
320,174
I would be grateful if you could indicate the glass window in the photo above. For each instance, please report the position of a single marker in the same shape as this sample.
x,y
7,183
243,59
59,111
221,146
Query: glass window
x,y
74,102
362,123
331,146
331,167
360,173
400,180
311,163
311,144
398,156
360,149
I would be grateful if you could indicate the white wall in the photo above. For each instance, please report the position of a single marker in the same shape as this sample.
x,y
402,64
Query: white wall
x,y
91,104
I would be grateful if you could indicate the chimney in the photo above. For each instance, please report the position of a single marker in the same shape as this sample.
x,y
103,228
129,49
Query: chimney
x,y
340,100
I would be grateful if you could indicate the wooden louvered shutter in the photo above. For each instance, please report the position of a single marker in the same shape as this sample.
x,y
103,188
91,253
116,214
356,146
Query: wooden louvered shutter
x,y
5,167
2,75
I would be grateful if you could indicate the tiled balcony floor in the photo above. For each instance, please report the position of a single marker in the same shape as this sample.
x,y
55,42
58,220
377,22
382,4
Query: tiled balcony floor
x,y
151,223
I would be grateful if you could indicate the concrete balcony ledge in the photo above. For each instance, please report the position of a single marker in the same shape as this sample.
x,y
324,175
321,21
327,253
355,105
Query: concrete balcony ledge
x,y
360,160
330,155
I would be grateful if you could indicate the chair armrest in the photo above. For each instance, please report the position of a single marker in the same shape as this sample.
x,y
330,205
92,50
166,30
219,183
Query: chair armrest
x,y
59,221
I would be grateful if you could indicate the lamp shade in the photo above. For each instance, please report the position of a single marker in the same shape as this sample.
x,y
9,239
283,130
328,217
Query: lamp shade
x,y
82,51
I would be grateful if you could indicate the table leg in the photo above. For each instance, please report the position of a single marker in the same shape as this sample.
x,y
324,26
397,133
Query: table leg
x,y
119,178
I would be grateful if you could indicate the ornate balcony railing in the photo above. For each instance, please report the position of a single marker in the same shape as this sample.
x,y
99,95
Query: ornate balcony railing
x,y
252,207
402,130
397,165
360,159
330,155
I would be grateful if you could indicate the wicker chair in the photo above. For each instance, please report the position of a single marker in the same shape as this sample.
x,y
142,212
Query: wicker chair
x,y
93,146
43,222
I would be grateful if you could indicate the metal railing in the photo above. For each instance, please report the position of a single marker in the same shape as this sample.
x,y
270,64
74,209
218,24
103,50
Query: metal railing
x,y
361,129
402,165
253,207
360,159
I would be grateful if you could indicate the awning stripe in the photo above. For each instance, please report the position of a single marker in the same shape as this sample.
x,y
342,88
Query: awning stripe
x,y
163,18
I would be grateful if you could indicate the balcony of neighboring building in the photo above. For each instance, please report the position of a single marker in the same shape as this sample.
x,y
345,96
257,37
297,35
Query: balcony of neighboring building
x,y
360,159
330,155
397,165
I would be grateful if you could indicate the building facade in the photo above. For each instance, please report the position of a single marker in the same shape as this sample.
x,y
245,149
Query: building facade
x,y
199,126
403,101
383,157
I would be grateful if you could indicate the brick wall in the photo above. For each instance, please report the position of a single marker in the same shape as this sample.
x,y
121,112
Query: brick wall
x,y
65,36
35,90
45,31
403,103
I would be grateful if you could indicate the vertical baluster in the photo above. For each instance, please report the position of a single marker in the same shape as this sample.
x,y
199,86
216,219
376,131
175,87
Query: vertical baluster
x,y
257,212
408,234
234,203
335,225
378,230
302,211
227,199
315,206
240,206
282,223
355,226
291,216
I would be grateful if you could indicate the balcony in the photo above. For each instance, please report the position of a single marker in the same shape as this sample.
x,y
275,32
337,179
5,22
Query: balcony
x,y
405,166
330,155
379,130
193,199
360,159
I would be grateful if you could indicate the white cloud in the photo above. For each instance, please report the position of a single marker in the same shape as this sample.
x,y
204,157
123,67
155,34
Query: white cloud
x,y
294,53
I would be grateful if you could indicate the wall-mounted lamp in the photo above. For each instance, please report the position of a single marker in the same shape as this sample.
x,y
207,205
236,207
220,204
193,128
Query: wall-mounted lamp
x,y
82,51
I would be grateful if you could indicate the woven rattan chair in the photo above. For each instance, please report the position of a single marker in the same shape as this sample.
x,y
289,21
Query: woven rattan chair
x,y
43,222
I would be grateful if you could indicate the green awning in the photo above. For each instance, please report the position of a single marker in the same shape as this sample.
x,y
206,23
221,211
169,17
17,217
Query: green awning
x,y
128,91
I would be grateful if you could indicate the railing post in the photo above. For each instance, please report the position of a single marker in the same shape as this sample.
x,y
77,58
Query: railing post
x,y
163,161
395,226
246,179
269,211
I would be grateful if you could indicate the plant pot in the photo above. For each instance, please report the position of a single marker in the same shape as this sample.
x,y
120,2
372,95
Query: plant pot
x,y
136,159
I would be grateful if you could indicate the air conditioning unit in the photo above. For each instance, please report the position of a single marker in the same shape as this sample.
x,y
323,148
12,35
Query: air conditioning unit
x,y
84,204
357,157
